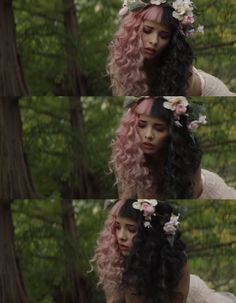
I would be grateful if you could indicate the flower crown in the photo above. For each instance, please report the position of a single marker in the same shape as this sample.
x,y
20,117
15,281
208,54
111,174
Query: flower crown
x,y
148,209
182,11
178,105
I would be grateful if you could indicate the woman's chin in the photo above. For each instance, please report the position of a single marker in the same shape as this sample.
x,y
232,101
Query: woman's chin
x,y
149,152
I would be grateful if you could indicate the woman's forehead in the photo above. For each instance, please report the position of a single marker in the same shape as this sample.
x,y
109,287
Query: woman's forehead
x,y
151,119
156,25
125,221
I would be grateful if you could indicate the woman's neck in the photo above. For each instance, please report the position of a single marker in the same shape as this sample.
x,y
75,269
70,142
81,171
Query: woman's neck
x,y
156,160
156,165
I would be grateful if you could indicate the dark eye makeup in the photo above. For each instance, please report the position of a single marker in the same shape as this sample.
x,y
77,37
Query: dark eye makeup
x,y
163,34
147,29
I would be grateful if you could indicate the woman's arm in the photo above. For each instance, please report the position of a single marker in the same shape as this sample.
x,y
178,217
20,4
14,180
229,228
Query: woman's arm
x,y
115,299
181,293
195,84
197,183
203,84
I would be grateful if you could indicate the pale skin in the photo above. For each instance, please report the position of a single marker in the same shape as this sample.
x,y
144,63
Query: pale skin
x,y
155,37
154,133
125,230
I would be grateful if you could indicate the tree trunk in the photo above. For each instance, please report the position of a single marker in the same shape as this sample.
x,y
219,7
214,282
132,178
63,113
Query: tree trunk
x,y
15,178
75,286
80,182
73,85
12,288
12,82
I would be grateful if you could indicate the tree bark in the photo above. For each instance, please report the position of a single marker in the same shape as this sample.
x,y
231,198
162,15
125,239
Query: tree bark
x,y
73,85
12,82
12,288
80,182
15,178
75,286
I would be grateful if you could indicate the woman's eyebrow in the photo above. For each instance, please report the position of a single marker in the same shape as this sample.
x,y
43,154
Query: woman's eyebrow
x,y
159,123
151,27
130,225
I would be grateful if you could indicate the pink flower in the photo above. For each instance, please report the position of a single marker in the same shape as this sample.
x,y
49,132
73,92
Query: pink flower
x,y
148,209
123,11
180,109
187,20
193,125
169,228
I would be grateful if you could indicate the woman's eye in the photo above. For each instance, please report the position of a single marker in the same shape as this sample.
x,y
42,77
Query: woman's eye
x,y
147,30
141,125
160,129
164,35
117,226
132,231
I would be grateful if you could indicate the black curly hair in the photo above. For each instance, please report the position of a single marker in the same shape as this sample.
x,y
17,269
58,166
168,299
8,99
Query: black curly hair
x,y
153,268
182,154
174,64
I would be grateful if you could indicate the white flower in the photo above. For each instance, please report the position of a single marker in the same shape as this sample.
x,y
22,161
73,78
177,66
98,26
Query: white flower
x,y
171,226
179,6
182,8
177,16
173,102
200,29
202,119
174,220
139,203
195,123
147,224
157,2
148,208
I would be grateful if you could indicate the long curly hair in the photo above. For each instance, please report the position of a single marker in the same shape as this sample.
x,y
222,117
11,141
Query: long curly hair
x,y
133,75
153,267
107,258
136,172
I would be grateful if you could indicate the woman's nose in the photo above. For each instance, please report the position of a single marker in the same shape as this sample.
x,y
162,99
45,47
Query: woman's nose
x,y
149,134
154,39
122,235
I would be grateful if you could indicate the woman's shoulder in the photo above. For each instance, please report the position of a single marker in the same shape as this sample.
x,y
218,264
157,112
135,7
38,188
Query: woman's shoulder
x,y
208,85
199,292
214,187
114,297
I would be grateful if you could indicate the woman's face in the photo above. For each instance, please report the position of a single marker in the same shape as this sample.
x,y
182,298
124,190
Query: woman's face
x,y
155,37
125,230
153,133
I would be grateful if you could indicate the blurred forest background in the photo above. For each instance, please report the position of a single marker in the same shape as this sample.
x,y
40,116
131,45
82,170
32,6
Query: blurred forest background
x,y
65,42
56,150
45,251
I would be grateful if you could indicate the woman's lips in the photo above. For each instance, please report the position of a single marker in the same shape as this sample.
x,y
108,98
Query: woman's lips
x,y
123,247
150,51
148,145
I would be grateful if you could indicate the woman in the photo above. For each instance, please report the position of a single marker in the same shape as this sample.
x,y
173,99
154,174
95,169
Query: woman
x,y
156,154
140,257
150,54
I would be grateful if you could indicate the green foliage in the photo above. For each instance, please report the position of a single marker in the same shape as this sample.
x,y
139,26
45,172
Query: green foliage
x,y
208,230
218,137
